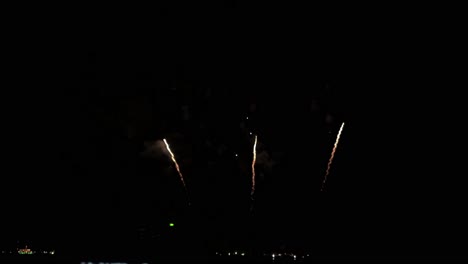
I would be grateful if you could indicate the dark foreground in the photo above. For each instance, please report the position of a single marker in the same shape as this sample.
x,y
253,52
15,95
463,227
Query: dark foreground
x,y
379,259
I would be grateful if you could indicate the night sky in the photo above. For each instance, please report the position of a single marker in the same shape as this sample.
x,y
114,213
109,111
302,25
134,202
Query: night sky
x,y
89,104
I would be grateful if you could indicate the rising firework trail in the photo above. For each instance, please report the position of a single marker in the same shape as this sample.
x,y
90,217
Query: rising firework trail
x,y
254,160
332,155
177,166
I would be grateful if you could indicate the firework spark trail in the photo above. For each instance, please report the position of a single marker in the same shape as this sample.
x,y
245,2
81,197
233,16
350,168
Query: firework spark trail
x,y
332,155
254,160
176,165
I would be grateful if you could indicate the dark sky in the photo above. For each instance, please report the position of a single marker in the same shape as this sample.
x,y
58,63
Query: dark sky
x,y
87,101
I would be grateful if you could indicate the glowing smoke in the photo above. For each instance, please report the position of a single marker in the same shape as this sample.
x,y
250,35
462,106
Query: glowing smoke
x,y
332,155
264,159
155,149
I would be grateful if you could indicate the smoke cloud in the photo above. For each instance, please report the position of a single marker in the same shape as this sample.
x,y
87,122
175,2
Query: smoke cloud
x,y
155,149
265,160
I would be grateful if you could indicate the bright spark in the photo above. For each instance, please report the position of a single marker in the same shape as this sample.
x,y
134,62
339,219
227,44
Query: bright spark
x,y
176,165
332,155
254,160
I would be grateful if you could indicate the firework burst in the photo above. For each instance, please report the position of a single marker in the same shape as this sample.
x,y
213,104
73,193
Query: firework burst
x,y
176,166
332,156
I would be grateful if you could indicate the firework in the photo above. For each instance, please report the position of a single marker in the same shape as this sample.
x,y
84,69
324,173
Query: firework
x,y
332,155
254,160
176,165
